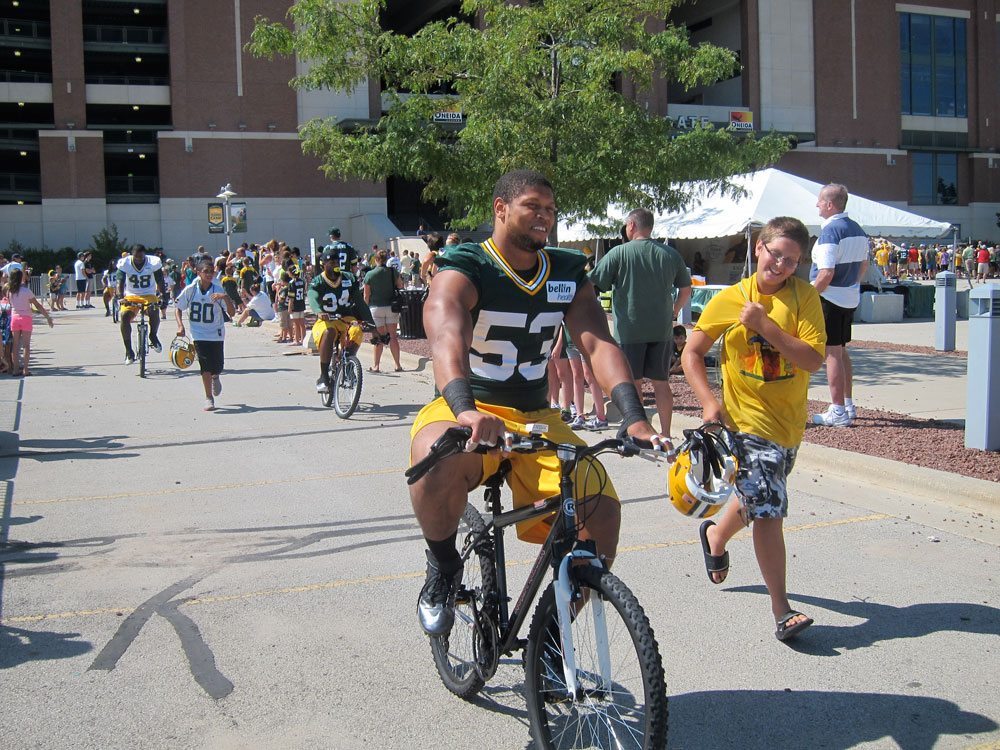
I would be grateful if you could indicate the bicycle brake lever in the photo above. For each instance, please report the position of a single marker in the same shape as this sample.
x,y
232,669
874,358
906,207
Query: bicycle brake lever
x,y
451,442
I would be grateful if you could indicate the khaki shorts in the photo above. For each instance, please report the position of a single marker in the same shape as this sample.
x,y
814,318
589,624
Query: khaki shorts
x,y
533,476
384,316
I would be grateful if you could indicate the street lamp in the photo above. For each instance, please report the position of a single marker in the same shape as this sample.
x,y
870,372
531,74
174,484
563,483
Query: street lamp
x,y
226,192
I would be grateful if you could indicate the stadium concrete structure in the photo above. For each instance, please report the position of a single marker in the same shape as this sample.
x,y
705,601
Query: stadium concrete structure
x,y
137,112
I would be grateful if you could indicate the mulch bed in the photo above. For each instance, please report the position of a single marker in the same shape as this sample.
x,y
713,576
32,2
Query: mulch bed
x,y
932,443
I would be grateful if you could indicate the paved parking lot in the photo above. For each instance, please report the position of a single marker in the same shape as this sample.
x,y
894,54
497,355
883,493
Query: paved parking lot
x,y
247,579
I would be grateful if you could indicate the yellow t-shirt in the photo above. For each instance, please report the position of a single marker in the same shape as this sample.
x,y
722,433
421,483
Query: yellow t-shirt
x,y
882,256
763,393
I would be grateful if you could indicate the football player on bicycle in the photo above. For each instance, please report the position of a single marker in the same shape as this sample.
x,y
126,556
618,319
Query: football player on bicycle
x,y
139,275
336,298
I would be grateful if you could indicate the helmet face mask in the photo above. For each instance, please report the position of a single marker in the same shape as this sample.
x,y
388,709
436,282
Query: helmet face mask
x,y
182,352
701,478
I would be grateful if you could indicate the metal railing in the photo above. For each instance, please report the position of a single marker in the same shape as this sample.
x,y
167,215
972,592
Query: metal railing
x,y
132,189
138,35
20,29
21,76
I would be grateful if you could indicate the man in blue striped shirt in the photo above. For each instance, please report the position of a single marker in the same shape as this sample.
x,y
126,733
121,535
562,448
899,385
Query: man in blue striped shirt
x,y
840,259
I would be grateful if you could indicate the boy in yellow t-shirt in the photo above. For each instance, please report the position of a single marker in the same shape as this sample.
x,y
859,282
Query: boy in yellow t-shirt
x,y
773,338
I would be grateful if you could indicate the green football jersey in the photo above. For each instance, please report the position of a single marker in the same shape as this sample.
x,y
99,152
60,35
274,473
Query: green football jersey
x,y
338,299
346,252
516,319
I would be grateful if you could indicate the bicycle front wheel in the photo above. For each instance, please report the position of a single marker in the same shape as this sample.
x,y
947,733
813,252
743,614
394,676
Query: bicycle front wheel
x,y
347,386
621,695
472,640
142,331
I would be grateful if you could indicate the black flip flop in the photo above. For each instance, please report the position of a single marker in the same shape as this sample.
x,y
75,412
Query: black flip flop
x,y
786,631
713,563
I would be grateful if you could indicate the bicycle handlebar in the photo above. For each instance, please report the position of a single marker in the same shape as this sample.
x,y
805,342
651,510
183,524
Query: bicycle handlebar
x,y
455,439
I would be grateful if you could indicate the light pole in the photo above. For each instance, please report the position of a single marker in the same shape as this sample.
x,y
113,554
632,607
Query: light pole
x,y
226,192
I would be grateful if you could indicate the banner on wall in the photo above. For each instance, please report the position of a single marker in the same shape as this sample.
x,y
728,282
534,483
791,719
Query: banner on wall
x,y
237,218
216,218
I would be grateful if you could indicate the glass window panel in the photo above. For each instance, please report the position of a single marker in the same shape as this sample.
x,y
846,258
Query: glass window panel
x,y
921,83
947,179
904,62
961,78
944,90
944,37
923,178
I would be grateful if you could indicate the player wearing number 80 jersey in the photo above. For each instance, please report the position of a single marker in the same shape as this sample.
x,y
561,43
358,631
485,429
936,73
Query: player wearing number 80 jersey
x,y
207,303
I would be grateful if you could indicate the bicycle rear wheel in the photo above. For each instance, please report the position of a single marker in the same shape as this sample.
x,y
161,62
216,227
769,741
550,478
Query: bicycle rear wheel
x,y
469,643
630,711
142,332
346,386
327,396
114,310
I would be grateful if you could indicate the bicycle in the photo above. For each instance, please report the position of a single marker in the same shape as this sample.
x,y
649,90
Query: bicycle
x,y
345,376
591,679
141,329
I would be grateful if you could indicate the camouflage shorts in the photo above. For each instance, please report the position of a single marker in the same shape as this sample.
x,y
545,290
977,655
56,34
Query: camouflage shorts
x,y
761,481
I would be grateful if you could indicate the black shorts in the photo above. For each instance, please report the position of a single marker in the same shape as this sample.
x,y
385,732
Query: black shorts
x,y
838,323
210,356
649,360
81,286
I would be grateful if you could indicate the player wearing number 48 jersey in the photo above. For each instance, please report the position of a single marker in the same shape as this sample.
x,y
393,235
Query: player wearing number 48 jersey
x,y
139,275
206,301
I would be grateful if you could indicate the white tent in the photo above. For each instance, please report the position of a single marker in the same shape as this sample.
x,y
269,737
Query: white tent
x,y
768,193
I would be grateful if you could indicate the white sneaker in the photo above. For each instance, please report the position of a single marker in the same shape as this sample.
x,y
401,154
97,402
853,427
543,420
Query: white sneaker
x,y
830,419
209,404
851,411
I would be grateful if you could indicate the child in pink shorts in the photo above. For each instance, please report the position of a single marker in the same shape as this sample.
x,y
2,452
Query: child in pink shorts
x,y
21,301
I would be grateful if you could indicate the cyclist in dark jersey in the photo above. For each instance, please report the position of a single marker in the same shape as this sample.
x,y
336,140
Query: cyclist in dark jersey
x,y
336,298
492,317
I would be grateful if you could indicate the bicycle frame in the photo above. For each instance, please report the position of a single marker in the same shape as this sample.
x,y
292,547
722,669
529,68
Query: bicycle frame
x,y
562,543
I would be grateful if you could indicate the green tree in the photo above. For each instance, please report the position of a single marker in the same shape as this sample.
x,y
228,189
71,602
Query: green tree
x,y
535,86
106,245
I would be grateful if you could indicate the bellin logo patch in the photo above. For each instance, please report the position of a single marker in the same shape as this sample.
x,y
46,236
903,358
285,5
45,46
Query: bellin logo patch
x,y
560,291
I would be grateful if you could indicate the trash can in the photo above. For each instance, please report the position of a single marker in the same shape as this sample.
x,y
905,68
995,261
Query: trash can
x,y
982,405
411,317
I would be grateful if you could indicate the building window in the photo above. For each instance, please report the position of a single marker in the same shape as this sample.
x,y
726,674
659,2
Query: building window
x,y
932,65
935,179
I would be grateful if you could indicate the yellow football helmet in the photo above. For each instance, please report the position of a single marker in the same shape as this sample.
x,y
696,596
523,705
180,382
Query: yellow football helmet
x,y
701,479
182,352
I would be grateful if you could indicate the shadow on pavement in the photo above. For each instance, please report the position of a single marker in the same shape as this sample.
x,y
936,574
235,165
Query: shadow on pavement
x,y
813,719
57,448
18,646
884,622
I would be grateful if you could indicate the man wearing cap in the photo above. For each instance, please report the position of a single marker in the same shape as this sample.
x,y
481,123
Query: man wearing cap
x,y
336,298
16,264
347,256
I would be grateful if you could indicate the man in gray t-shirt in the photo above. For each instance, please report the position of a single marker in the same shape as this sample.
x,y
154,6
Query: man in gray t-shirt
x,y
642,275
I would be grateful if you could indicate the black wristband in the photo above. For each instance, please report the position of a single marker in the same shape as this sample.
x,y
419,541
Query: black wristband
x,y
626,398
458,395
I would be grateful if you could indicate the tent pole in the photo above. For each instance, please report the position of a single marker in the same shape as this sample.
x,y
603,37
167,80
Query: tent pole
x,y
746,263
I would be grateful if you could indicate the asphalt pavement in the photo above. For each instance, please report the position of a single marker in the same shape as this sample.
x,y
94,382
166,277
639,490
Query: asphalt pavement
x,y
247,578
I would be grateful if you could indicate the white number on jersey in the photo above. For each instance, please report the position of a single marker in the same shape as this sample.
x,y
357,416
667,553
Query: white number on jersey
x,y
486,341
